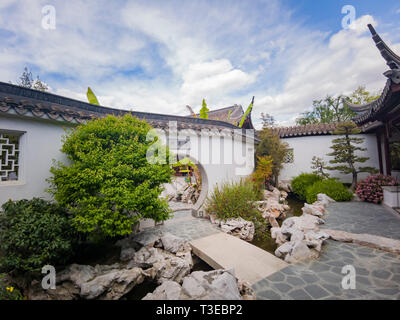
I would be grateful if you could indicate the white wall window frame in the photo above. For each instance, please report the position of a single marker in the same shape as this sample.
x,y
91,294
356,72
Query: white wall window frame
x,y
21,163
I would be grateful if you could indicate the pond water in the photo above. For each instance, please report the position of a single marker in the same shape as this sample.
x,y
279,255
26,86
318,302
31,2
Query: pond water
x,y
266,242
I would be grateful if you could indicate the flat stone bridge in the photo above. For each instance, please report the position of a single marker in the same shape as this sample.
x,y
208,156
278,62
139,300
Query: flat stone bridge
x,y
249,262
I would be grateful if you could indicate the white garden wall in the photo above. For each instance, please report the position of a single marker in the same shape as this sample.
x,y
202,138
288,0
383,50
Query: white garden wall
x,y
305,148
39,144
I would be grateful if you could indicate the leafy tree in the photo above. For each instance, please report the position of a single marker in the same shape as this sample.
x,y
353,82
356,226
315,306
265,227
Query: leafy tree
x,y
110,184
204,111
268,121
26,81
263,170
345,152
318,165
362,96
331,109
271,145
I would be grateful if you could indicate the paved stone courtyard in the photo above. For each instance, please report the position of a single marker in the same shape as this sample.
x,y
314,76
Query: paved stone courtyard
x,y
377,272
184,225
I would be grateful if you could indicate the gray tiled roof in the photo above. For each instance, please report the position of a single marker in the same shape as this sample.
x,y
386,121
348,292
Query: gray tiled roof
x,y
28,102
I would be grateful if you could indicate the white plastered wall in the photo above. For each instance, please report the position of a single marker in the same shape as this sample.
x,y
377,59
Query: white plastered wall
x,y
305,148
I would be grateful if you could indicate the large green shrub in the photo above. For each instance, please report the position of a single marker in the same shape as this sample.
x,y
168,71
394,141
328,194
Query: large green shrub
x,y
110,184
331,187
302,182
34,233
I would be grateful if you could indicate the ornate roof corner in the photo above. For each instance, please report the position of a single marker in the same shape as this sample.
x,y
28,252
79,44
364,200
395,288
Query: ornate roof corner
x,y
392,59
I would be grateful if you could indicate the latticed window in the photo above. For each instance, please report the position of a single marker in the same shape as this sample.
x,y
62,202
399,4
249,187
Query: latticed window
x,y
9,157
289,158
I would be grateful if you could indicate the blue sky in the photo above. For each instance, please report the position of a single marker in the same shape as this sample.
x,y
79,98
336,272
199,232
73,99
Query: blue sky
x,y
160,56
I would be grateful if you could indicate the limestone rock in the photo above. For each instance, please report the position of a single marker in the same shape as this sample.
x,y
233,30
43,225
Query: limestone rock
x,y
276,234
299,252
77,274
65,291
239,228
164,265
174,244
313,210
112,285
127,254
371,241
324,199
246,291
212,285
285,186
168,290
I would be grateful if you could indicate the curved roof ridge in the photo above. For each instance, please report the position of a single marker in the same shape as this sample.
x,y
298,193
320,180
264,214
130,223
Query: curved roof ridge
x,y
392,59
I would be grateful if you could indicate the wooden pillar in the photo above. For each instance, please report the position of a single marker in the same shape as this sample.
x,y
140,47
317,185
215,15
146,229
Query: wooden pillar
x,y
387,150
379,142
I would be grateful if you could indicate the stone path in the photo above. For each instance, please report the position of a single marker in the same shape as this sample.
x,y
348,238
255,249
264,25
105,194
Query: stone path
x,y
377,272
184,225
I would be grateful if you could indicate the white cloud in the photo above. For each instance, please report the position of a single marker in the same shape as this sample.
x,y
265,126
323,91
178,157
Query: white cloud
x,y
160,56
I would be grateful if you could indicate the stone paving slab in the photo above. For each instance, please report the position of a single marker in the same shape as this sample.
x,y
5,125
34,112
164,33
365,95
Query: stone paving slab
x,y
377,276
184,225
377,271
362,217
249,262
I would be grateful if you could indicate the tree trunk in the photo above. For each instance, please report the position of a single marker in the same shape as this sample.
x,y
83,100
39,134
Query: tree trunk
x,y
354,183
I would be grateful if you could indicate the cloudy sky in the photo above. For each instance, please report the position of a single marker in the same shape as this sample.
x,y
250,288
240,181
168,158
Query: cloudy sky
x,y
159,56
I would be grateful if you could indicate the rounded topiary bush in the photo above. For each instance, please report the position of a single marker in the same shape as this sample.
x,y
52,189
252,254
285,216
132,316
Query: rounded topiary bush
x,y
370,189
331,187
302,182
34,233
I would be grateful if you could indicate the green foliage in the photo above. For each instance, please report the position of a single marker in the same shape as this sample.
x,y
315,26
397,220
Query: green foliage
x,y
234,200
248,110
204,110
110,184
331,187
318,165
231,200
8,291
302,182
91,97
35,233
362,96
331,109
334,109
271,145
345,150
263,170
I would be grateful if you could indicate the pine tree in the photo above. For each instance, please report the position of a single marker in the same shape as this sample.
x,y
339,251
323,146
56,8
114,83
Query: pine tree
x,y
318,165
345,151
